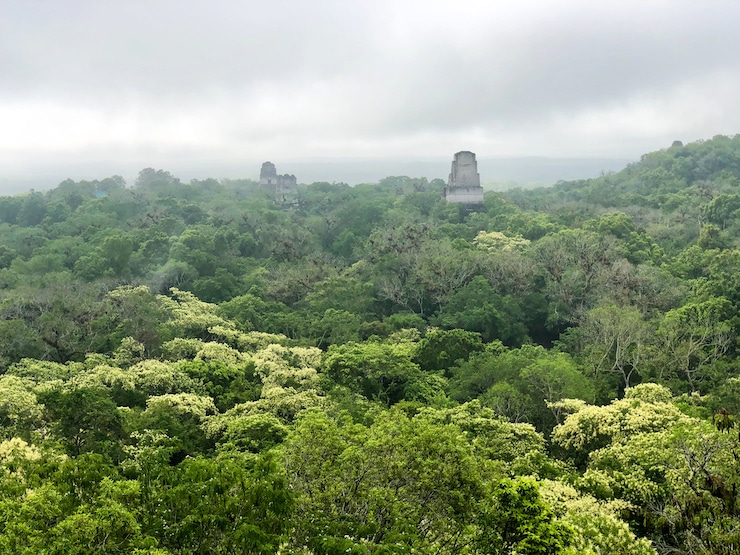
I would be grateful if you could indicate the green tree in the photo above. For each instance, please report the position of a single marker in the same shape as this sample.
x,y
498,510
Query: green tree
x,y
692,338
379,371
476,307
675,472
518,521
615,340
86,420
20,411
32,210
723,209
233,503
413,485
441,349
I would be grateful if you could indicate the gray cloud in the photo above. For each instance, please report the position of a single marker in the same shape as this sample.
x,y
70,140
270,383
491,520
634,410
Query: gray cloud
x,y
161,81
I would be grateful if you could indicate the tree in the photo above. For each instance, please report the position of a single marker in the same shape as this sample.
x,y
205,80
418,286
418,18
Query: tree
x,y
677,473
615,340
67,320
180,416
495,241
723,209
32,210
233,503
578,264
400,485
492,437
20,411
335,327
416,273
597,527
86,420
379,371
441,349
522,385
646,408
138,314
693,337
340,293
476,307
710,237
554,377
519,522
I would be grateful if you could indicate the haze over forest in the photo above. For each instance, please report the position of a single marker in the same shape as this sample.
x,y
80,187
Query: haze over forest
x,y
498,174
93,88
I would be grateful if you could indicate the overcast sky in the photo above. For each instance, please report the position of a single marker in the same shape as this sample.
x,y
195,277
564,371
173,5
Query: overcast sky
x,y
115,84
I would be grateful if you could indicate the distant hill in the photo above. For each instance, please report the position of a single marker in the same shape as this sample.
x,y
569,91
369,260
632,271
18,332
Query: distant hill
x,y
667,179
678,195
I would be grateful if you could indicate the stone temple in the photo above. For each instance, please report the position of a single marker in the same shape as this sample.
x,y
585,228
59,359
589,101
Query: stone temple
x,y
463,186
270,179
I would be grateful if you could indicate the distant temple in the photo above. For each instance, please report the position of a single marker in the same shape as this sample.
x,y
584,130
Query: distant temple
x,y
463,186
270,179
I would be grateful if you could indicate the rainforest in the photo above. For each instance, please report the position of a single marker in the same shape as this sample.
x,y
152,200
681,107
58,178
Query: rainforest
x,y
211,367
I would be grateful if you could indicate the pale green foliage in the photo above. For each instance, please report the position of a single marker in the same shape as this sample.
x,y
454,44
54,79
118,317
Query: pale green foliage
x,y
649,393
128,352
124,292
701,451
285,404
14,456
149,449
290,385
96,359
218,352
181,348
287,368
191,317
247,341
628,469
495,241
20,410
183,404
593,427
289,379
104,376
15,448
154,377
490,436
408,336
43,370
597,526
564,407
683,479
678,472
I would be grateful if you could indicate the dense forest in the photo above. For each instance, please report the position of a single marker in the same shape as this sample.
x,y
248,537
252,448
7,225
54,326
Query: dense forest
x,y
209,367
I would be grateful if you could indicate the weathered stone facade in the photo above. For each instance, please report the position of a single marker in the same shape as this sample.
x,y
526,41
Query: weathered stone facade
x,y
463,185
270,179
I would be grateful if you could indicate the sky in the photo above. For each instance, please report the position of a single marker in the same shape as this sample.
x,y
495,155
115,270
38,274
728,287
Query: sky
x,y
100,87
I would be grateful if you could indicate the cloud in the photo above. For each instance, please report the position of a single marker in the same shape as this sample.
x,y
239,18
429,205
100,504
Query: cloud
x,y
230,79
